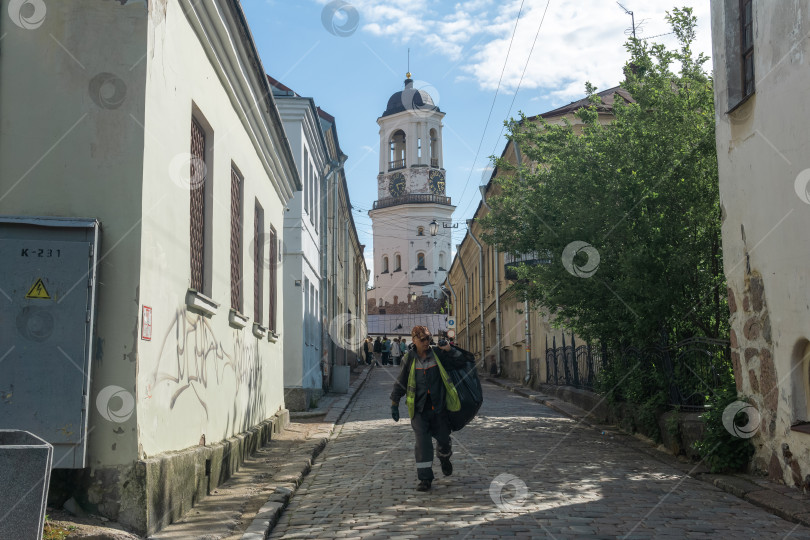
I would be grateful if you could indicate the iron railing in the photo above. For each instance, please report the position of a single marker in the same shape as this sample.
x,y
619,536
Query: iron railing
x,y
410,199
692,369
396,164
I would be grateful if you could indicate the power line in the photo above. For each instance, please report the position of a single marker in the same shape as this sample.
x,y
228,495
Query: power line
x,y
495,97
520,82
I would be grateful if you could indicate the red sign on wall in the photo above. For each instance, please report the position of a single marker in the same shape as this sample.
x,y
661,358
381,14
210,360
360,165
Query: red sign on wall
x,y
146,323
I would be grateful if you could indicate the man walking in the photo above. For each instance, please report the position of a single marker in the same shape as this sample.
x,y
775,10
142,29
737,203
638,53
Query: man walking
x,y
396,353
429,395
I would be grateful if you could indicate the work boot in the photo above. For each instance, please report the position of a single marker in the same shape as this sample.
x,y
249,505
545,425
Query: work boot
x,y
424,485
447,467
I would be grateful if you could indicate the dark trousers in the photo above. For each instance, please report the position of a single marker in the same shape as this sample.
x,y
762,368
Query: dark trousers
x,y
429,425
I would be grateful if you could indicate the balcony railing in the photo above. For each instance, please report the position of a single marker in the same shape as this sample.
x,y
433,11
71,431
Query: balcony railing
x,y
413,198
396,164
533,258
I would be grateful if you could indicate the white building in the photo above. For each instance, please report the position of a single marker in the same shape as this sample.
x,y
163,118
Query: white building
x,y
158,122
301,271
410,195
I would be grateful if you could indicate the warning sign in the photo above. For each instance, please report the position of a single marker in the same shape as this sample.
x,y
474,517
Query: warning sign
x,y
38,291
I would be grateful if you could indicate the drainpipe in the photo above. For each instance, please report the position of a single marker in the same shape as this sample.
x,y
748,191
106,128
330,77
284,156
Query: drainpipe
x,y
467,298
346,277
497,292
480,285
528,330
337,166
454,311
331,168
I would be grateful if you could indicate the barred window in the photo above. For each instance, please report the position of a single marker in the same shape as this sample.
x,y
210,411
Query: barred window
x,y
236,240
258,263
197,206
272,258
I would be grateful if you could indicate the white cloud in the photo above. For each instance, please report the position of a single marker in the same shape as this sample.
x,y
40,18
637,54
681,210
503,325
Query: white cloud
x,y
580,40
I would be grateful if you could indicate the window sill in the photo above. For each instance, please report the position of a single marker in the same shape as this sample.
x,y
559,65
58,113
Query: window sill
x,y
803,427
259,331
199,302
236,319
740,103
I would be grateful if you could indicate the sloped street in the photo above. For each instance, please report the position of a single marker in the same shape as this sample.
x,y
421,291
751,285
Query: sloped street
x,y
521,469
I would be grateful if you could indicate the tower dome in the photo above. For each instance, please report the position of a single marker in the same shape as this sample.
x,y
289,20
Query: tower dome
x,y
409,98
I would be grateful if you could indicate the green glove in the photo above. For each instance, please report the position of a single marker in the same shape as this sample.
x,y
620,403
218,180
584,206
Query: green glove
x,y
395,412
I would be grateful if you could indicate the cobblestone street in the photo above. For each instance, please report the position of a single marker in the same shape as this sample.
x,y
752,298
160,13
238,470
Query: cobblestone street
x,y
579,483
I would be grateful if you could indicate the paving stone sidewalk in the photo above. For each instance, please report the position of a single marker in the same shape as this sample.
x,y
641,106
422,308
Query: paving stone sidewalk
x,y
522,469
247,504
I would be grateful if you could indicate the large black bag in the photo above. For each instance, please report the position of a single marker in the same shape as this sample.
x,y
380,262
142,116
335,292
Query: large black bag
x,y
470,393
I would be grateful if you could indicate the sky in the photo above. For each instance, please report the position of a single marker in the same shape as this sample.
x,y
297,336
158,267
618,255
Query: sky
x,y
482,61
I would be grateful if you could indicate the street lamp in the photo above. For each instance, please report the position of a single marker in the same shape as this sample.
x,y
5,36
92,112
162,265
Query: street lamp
x,y
434,228
413,297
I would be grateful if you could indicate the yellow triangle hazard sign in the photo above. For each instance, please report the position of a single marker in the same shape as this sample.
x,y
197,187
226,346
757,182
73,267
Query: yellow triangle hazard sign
x,y
38,291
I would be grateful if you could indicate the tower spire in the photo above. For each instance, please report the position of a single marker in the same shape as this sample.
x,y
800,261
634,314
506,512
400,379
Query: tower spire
x,y
408,74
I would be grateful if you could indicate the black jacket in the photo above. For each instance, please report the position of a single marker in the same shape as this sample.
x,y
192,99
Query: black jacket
x,y
430,391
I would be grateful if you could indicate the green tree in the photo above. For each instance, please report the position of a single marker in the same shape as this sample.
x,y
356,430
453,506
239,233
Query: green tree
x,y
641,190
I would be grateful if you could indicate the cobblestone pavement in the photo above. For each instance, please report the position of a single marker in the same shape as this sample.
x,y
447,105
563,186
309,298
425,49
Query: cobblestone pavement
x,y
578,482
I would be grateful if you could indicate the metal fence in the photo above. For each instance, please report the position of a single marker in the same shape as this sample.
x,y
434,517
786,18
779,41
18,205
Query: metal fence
x,y
691,369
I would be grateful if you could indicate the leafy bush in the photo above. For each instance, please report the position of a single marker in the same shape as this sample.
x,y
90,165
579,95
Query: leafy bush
x,y
721,450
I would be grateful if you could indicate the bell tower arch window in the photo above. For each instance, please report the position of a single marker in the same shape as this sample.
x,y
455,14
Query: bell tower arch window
x,y
434,148
396,150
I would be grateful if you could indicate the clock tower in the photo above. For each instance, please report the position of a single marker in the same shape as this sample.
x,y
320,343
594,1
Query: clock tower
x,y
411,194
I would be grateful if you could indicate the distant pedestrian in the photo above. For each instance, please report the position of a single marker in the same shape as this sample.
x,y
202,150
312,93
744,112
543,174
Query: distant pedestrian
x,y
386,351
402,347
377,349
396,353
367,346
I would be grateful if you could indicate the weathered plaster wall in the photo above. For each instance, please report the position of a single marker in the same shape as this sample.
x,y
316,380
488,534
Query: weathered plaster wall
x,y
71,104
200,379
762,150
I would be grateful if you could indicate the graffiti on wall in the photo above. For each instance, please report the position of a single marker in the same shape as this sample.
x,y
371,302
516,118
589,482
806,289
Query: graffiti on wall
x,y
192,359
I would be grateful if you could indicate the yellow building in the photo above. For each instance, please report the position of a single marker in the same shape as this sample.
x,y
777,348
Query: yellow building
x,y
511,337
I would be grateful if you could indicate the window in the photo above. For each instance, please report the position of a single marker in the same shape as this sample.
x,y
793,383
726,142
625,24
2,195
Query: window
x,y
385,265
236,240
306,311
420,261
397,263
305,181
272,258
420,231
197,181
258,262
739,46
747,46
396,150
419,148
434,148
441,261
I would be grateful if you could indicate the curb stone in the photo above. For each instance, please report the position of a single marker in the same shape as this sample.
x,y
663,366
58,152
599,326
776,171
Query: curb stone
x,y
268,515
794,509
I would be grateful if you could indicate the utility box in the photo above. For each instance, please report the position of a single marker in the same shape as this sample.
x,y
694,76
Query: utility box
x,y
25,472
340,379
48,296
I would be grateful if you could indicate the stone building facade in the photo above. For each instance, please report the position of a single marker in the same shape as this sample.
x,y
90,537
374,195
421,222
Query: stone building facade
x,y
761,80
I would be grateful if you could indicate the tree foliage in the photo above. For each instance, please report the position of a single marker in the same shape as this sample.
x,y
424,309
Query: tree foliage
x,y
641,189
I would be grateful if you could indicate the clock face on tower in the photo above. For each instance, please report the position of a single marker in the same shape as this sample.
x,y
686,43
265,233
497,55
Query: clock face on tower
x,y
436,182
396,185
